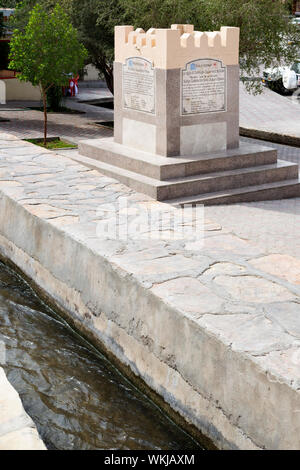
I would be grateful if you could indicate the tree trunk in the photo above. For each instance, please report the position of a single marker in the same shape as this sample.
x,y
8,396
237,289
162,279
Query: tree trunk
x,y
109,78
102,64
45,115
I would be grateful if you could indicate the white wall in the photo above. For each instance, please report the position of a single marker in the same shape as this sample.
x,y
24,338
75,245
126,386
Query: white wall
x,y
91,72
2,92
21,91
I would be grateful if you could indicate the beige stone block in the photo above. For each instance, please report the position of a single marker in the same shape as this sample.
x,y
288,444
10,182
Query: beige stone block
x,y
139,135
284,364
174,47
253,289
203,138
21,91
22,439
248,333
189,295
164,265
45,211
231,243
17,431
283,266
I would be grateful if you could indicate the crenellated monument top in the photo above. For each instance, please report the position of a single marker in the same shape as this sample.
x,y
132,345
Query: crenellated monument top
x,y
173,48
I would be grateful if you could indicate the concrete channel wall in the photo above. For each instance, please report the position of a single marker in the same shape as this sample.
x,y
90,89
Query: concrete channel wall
x,y
17,430
161,309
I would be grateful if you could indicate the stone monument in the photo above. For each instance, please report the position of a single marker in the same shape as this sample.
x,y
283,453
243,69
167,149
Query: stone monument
x,y
176,122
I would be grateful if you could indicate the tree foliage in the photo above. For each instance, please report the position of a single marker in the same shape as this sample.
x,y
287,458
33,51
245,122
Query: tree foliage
x,y
2,27
267,35
97,37
47,51
4,47
97,32
9,3
4,52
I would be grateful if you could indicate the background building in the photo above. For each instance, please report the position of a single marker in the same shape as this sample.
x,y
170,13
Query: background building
x,y
10,87
296,7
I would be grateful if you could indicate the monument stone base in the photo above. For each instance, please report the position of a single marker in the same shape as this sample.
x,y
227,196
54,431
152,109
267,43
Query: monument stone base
x,y
248,173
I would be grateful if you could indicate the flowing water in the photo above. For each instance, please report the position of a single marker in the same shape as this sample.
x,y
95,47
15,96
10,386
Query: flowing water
x,y
73,394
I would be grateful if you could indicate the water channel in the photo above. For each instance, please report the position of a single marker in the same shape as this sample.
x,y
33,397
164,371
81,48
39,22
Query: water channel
x,y
76,398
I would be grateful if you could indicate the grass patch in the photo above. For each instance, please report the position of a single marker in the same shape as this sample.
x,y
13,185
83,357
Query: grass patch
x,y
52,143
62,110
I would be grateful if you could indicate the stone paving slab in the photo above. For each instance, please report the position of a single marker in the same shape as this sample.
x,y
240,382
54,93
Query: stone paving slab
x,y
269,112
212,326
17,430
285,152
26,123
273,226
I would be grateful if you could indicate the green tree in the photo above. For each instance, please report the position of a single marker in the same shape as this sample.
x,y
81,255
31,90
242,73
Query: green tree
x,y
267,35
46,52
2,27
96,30
9,3
4,53
4,47
97,37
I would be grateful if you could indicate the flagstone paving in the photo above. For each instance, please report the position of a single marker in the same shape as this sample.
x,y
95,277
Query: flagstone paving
x,y
241,285
236,265
26,123
270,112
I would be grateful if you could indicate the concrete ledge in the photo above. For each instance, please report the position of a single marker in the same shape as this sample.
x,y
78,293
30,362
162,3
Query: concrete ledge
x,y
164,168
21,91
253,169
17,430
204,327
275,137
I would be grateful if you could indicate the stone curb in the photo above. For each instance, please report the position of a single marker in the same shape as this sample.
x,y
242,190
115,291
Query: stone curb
x,y
283,139
17,430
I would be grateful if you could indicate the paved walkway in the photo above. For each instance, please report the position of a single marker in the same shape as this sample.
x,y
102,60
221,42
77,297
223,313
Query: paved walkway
x,y
285,152
242,286
235,302
270,112
280,218
273,225
25,123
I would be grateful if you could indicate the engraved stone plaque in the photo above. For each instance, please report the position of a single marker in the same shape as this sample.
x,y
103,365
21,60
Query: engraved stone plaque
x,y
203,87
139,85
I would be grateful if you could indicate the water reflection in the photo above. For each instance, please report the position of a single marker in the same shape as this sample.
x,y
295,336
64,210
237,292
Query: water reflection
x,y
75,397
